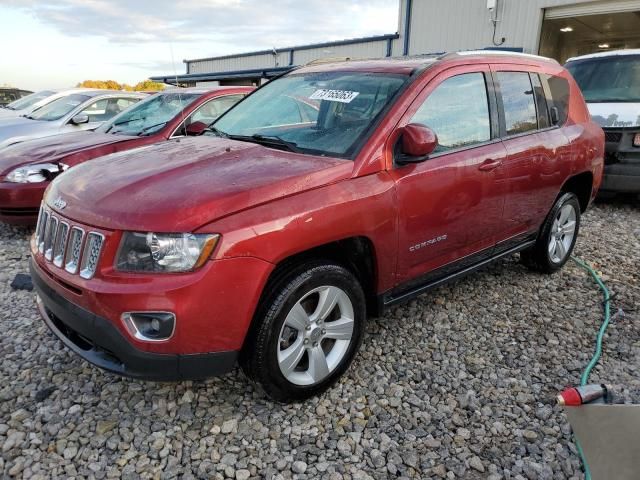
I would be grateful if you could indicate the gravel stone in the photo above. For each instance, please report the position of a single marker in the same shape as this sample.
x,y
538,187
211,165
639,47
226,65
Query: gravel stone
x,y
299,467
458,383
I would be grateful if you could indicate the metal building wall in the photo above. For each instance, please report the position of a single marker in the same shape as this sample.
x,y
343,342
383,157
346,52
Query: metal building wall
x,y
358,50
367,48
451,25
238,62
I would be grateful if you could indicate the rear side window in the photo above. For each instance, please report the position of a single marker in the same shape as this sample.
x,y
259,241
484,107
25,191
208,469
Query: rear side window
x,y
518,101
457,111
541,102
557,92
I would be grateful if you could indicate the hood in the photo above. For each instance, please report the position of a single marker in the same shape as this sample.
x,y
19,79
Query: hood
x,y
181,185
17,129
8,113
54,148
619,115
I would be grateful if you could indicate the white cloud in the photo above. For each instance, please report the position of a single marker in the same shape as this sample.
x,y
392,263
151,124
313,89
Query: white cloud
x,y
72,40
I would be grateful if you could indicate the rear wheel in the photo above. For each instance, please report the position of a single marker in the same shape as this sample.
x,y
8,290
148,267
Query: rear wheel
x,y
557,237
309,329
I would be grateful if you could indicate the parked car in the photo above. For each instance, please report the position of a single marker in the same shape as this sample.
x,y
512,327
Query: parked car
x,y
26,169
610,83
25,105
72,113
8,94
270,239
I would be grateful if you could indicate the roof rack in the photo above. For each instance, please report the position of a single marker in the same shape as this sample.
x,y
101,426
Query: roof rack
x,y
500,52
320,61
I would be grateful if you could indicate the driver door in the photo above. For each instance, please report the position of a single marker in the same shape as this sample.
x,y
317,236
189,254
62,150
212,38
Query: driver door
x,y
450,206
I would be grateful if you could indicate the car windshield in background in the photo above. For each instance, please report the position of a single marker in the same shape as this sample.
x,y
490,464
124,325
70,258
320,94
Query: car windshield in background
x,y
324,113
58,108
608,79
150,115
29,100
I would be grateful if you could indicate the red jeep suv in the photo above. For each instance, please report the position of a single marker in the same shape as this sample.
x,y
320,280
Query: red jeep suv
x,y
325,196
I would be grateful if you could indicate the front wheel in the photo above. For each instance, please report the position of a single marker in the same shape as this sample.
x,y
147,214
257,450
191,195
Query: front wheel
x,y
309,329
557,237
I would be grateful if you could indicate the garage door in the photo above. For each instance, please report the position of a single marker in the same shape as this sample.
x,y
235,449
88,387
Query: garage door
x,y
590,27
592,8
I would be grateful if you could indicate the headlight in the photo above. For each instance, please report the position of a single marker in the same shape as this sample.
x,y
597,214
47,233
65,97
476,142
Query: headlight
x,y
164,252
39,172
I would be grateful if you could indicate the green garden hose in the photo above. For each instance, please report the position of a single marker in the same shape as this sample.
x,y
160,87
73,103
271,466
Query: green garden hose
x,y
584,380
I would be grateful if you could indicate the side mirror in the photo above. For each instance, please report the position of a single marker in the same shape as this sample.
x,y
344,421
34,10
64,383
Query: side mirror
x,y
417,143
80,119
555,115
196,128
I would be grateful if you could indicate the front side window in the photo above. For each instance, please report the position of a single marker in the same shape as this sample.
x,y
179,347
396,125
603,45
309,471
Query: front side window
x,y
519,104
458,112
107,108
326,113
29,100
149,115
210,111
59,108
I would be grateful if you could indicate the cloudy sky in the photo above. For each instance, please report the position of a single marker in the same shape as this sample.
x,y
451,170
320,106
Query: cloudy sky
x,y
54,44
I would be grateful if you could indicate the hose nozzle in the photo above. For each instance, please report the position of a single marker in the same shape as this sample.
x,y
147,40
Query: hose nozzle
x,y
576,396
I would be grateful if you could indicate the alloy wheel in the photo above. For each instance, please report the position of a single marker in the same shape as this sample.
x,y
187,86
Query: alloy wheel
x,y
562,232
315,335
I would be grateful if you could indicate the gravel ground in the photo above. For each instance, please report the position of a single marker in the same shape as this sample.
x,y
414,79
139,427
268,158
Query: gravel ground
x,y
458,383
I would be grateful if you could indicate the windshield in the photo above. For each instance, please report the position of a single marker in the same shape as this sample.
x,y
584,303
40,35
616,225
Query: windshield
x,y
29,100
608,79
150,115
325,113
58,108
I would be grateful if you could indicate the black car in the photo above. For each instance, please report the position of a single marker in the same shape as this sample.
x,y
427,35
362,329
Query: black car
x,y
8,95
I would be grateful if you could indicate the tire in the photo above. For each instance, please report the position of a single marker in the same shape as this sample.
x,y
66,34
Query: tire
x,y
548,257
286,361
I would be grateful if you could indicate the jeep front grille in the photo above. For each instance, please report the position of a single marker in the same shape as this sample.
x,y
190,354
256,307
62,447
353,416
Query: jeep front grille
x,y
68,246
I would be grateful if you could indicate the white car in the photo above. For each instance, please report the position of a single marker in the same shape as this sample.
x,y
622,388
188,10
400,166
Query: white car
x,y
610,83
25,105
83,110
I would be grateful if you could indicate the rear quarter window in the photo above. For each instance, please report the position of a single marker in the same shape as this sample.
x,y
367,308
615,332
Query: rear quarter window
x,y
557,92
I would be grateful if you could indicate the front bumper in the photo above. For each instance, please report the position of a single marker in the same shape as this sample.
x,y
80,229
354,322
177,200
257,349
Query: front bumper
x,y
622,161
98,341
20,202
621,177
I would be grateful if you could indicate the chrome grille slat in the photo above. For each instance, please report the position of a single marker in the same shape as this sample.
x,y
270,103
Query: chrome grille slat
x,y
52,229
91,254
43,230
74,249
60,244
66,245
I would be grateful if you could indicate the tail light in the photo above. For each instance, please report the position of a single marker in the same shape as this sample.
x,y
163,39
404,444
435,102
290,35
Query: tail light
x,y
636,140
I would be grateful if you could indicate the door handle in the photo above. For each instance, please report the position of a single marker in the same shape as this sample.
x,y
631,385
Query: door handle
x,y
489,164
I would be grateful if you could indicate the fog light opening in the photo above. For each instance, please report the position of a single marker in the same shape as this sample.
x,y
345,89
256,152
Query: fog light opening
x,y
150,326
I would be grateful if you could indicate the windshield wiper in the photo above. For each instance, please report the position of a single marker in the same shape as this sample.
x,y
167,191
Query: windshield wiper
x,y
275,141
150,127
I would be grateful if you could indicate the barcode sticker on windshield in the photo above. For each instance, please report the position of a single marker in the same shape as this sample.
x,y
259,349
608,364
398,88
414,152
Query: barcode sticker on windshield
x,y
343,96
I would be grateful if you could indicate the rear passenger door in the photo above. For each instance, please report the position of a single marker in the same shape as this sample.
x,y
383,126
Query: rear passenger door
x,y
450,206
538,151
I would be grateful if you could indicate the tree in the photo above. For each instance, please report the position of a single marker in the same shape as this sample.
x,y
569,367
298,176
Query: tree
x,y
145,85
148,85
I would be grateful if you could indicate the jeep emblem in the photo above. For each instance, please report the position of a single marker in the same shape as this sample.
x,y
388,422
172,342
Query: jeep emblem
x,y
59,203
